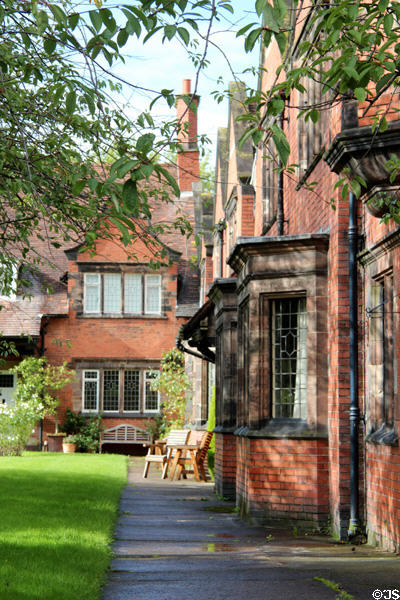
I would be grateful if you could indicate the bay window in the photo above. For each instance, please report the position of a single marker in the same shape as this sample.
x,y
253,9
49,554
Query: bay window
x,y
289,358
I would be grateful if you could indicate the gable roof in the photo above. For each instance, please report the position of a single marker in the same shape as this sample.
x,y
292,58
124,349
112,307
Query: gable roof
x,y
47,292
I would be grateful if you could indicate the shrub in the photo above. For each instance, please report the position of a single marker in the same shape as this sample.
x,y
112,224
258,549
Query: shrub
x,y
69,439
33,401
85,431
174,384
156,427
73,422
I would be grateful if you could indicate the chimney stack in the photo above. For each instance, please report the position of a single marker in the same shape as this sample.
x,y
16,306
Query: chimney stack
x,y
188,156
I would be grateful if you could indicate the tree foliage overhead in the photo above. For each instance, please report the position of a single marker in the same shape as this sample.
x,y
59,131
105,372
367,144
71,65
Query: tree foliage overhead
x,y
73,164
349,48
60,124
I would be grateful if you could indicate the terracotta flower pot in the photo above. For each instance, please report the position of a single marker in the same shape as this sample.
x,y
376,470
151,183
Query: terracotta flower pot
x,y
68,447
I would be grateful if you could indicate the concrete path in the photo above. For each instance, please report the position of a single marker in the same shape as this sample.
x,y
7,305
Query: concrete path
x,y
177,541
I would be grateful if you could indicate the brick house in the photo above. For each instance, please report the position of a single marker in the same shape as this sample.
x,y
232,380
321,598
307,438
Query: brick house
x,y
111,316
301,309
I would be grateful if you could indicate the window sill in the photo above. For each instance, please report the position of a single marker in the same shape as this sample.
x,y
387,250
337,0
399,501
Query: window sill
x,y
118,316
118,415
295,429
386,435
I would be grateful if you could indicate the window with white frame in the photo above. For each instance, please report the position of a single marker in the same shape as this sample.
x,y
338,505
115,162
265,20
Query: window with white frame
x,y
90,383
152,294
92,292
122,293
119,391
289,358
152,397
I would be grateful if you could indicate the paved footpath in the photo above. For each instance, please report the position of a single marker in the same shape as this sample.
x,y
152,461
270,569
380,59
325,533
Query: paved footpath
x,y
171,543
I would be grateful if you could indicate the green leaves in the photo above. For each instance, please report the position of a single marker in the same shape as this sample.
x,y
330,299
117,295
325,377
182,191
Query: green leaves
x,y
49,45
130,196
58,14
70,102
145,143
281,143
96,19
251,39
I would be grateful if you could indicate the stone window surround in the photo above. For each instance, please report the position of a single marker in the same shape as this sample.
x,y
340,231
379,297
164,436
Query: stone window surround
x,y
276,267
107,267
145,284
377,262
111,364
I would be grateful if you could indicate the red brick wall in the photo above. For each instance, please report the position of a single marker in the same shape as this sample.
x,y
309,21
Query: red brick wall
x,y
247,222
383,498
225,464
141,339
283,479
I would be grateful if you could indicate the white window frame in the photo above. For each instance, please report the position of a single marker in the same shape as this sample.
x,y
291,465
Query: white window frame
x,y
85,286
145,380
91,410
146,288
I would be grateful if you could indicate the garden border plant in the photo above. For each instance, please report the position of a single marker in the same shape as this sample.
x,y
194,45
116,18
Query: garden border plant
x,y
33,400
86,431
174,385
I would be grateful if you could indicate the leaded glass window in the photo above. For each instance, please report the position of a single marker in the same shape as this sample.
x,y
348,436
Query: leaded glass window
x,y
112,293
122,293
111,390
90,390
151,402
92,282
132,390
119,391
133,293
153,294
289,358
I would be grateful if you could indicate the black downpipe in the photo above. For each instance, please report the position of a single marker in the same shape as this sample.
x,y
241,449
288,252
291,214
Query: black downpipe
x,y
221,226
354,524
42,350
280,217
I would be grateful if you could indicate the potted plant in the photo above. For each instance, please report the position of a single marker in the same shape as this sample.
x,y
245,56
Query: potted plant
x,y
69,443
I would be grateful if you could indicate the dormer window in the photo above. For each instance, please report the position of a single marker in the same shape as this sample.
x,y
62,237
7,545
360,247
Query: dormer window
x,y
122,293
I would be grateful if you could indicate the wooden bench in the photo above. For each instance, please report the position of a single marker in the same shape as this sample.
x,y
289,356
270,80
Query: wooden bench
x,y
161,453
124,434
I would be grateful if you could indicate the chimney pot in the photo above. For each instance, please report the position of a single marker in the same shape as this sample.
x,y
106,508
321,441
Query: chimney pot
x,y
186,86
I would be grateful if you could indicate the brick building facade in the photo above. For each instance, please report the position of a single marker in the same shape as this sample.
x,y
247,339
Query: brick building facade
x,y
112,315
302,314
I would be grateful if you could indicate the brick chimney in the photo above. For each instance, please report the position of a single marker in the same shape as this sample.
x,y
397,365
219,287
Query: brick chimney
x,y
188,157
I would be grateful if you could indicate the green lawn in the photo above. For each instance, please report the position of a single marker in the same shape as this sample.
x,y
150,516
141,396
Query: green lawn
x,y
57,514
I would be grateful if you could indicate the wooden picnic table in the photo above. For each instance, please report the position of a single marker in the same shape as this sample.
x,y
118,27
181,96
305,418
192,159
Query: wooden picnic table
x,y
178,451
